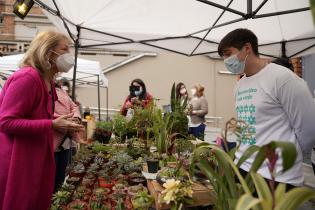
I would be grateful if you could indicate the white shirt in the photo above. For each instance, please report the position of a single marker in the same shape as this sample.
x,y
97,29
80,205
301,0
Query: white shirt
x,y
277,105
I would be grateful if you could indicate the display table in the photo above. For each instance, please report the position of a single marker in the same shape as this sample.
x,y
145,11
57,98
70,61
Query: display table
x,y
203,195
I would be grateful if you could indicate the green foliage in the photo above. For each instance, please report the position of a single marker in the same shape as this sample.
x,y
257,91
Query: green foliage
x,y
105,125
312,3
120,125
160,130
61,198
142,200
98,147
178,115
233,194
143,120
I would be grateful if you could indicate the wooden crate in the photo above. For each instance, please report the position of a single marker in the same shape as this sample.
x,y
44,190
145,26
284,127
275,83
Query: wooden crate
x,y
202,194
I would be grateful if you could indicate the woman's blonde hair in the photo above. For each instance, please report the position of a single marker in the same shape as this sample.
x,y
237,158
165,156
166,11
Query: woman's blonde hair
x,y
199,89
37,54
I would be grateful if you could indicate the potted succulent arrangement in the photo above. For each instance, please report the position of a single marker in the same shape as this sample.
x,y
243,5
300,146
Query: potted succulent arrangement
x,y
104,179
133,190
142,200
78,205
60,199
103,131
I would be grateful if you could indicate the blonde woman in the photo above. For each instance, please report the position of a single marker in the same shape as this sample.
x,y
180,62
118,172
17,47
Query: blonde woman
x,y
199,109
26,124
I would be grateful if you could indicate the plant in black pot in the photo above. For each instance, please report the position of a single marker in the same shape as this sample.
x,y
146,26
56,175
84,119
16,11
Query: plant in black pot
x,y
103,131
153,163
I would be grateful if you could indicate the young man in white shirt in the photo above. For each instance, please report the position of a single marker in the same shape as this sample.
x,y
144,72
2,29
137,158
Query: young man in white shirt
x,y
275,103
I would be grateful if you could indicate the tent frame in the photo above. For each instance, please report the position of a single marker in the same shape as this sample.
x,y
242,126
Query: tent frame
x,y
250,14
244,16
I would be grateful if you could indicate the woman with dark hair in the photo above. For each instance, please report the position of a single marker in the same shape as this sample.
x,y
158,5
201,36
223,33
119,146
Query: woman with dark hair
x,y
138,96
181,92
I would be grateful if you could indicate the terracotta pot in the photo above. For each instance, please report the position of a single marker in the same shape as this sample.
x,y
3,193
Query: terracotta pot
x,y
106,184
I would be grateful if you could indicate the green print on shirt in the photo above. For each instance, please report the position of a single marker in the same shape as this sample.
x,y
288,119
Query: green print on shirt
x,y
246,112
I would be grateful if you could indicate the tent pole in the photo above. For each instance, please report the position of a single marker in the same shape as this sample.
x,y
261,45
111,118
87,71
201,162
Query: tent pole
x,y
223,7
283,49
76,49
98,98
249,8
107,119
215,22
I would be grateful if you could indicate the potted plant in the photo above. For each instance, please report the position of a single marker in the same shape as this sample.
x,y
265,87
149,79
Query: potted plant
x,y
120,127
60,199
177,193
178,115
103,131
142,200
68,188
153,163
104,180
78,205
78,170
133,190
73,181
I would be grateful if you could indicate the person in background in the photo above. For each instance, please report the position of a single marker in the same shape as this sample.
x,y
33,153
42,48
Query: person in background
x,y
27,166
273,101
284,62
63,139
199,110
181,92
138,97
65,85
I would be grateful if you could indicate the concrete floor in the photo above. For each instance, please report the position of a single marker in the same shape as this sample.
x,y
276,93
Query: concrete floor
x,y
309,182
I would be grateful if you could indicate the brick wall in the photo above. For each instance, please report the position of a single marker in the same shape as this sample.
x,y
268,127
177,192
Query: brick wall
x,y
8,25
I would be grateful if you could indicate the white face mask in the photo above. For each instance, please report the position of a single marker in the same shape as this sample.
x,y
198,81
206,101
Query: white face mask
x,y
193,91
65,88
64,62
138,92
183,91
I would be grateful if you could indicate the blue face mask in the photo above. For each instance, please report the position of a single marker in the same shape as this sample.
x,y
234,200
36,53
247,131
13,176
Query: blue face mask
x,y
234,65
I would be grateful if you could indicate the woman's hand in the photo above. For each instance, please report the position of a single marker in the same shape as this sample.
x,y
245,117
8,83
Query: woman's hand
x,y
63,124
128,105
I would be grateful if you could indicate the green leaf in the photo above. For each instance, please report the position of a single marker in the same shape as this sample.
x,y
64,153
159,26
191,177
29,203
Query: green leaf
x,y
280,191
312,4
248,153
288,153
259,159
247,201
262,189
228,159
212,175
294,198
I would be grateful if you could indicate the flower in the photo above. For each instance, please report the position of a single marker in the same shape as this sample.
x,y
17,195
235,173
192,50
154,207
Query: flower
x,y
171,183
176,192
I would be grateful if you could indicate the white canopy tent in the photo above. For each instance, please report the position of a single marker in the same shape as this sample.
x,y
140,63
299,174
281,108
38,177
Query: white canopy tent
x,y
284,27
88,72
